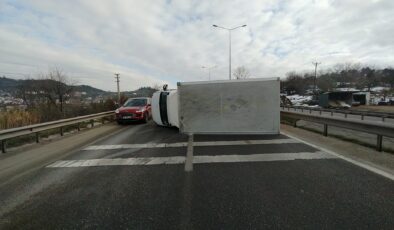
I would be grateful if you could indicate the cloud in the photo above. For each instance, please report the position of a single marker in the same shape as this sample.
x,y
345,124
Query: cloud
x,y
152,42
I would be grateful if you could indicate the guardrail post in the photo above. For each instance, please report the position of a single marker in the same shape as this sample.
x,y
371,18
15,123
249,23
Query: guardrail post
x,y
4,146
37,137
332,113
383,118
362,116
302,109
295,124
79,126
320,112
379,143
345,114
102,120
61,131
288,108
310,110
92,123
325,131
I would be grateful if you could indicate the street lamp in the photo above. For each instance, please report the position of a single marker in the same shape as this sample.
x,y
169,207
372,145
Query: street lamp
x,y
209,70
229,38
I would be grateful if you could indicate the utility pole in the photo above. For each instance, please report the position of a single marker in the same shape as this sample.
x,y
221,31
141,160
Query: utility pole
x,y
314,80
117,82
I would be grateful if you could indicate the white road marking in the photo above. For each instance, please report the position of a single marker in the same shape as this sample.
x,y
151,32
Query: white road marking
x,y
245,142
196,159
196,144
189,155
360,164
136,146
262,157
118,161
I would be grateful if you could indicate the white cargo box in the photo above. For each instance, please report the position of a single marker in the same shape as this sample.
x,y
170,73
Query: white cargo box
x,y
248,106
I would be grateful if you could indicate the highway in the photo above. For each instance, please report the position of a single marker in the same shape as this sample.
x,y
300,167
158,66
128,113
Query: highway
x,y
136,178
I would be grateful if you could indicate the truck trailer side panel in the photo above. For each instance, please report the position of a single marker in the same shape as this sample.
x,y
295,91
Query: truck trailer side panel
x,y
230,107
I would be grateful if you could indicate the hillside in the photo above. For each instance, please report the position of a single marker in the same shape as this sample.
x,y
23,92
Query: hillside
x,y
141,92
10,85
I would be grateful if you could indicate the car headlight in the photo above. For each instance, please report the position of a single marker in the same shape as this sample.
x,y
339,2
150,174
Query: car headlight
x,y
117,111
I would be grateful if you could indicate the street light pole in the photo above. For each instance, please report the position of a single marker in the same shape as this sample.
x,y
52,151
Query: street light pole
x,y
209,70
229,55
229,48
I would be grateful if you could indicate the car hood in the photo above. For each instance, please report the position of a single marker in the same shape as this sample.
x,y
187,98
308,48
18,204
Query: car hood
x,y
130,109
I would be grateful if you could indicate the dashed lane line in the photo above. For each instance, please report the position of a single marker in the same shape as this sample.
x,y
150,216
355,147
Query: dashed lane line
x,y
196,159
195,144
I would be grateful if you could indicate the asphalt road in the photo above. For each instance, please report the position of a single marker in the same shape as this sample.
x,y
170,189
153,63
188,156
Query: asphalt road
x,y
136,179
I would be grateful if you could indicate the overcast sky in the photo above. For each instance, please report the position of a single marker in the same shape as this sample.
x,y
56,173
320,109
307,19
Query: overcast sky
x,y
156,42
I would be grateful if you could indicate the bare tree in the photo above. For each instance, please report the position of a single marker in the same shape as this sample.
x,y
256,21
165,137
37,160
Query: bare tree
x,y
241,73
24,90
388,77
156,86
57,87
295,83
369,77
325,83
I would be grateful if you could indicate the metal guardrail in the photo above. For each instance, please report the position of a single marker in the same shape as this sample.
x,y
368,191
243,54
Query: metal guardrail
x,y
345,112
37,128
378,128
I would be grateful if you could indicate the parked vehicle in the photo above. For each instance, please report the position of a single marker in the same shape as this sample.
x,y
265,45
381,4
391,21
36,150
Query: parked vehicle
x,y
134,109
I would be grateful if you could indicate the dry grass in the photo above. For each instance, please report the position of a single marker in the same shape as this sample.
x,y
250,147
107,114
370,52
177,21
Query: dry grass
x,y
17,118
375,108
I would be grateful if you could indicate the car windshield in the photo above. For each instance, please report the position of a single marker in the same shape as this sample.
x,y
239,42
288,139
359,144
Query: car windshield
x,y
135,102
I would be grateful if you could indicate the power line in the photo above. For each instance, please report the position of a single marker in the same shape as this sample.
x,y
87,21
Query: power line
x,y
314,80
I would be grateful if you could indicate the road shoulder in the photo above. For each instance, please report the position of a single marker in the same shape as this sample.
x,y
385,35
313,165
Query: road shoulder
x,y
380,160
15,164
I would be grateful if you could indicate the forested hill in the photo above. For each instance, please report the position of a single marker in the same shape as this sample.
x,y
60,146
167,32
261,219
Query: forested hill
x,y
11,85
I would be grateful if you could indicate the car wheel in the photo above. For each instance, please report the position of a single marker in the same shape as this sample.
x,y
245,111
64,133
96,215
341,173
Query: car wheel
x,y
146,118
119,122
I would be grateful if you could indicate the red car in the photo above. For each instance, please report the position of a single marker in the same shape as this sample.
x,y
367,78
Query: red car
x,y
134,109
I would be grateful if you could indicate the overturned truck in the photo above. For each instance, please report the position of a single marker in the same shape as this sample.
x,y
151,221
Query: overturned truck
x,y
248,106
